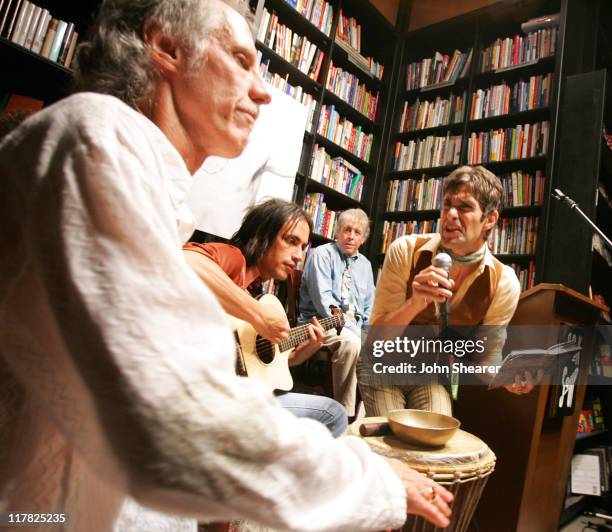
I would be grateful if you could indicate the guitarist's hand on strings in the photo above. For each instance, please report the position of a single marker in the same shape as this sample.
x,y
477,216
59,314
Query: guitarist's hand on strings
x,y
271,323
306,349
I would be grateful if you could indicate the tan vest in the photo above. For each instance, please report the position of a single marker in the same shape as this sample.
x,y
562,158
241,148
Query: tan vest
x,y
475,303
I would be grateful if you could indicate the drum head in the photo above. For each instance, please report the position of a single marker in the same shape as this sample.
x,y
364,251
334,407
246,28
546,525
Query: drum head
x,y
464,454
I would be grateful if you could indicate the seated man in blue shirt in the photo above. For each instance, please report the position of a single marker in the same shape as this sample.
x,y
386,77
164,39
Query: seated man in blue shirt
x,y
337,274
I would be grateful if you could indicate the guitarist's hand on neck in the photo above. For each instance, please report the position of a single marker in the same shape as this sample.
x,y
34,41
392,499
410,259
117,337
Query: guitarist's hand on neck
x,y
305,350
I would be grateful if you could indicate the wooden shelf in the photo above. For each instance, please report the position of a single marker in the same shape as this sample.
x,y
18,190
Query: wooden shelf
x,y
338,197
514,257
318,239
600,380
501,167
430,172
493,122
342,59
456,129
586,435
400,216
348,111
543,65
332,147
439,88
523,210
33,69
281,66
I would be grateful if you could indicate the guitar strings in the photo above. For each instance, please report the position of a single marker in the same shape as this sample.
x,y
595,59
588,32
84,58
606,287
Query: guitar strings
x,y
298,333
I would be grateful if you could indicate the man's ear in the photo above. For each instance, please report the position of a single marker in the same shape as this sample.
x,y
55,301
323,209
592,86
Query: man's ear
x,y
166,53
491,220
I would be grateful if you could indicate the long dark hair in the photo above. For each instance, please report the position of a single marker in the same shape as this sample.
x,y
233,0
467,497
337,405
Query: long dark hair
x,y
262,223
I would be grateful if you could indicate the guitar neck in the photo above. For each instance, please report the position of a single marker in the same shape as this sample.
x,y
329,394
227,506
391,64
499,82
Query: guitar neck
x,y
298,335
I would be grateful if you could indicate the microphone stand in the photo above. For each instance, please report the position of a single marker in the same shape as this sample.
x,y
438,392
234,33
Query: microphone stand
x,y
558,195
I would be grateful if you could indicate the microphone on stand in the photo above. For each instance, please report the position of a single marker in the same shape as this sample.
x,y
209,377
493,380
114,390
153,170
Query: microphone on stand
x,y
444,262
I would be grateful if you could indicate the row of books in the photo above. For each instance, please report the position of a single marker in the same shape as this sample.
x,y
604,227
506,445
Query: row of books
x,y
295,91
393,230
318,12
521,188
514,51
427,153
414,194
336,173
504,98
349,31
519,142
323,218
440,68
348,87
33,27
515,236
292,47
440,112
344,133
591,418
591,471
526,275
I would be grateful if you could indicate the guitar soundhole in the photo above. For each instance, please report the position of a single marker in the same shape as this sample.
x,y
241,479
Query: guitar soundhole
x,y
265,350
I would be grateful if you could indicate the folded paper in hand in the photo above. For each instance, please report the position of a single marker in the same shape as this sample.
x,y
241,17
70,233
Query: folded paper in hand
x,y
548,360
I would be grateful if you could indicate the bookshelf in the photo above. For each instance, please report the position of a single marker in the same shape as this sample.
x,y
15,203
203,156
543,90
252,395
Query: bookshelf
x,y
481,106
27,68
349,90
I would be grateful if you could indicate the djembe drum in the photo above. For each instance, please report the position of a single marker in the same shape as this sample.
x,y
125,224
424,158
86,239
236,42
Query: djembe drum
x,y
462,466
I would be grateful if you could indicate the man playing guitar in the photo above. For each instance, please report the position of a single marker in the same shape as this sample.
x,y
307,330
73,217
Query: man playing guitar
x,y
268,245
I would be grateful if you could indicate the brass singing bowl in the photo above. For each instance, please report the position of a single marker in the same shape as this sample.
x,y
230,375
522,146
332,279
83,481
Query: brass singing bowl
x,y
419,427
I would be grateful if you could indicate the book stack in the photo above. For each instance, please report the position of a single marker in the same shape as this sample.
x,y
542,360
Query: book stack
x,y
33,27
514,236
336,173
344,133
393,230
519,142
427,153
441,68
426,114
292,47
348,88
520,49
282,83
348,37
323,219
415,194
318,12
521,188
505,99
526,275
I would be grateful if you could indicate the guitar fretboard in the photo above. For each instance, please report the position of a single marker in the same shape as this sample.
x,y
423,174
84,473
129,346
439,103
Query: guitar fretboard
x,y
298,335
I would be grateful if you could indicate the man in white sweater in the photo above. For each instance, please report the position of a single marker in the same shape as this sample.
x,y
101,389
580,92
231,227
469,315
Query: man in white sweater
x,y
116,361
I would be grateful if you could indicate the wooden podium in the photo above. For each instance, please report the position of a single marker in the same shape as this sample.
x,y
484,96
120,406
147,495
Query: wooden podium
x,y
534,450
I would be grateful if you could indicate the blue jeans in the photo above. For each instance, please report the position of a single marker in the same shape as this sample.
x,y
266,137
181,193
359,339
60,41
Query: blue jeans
x,y
320,408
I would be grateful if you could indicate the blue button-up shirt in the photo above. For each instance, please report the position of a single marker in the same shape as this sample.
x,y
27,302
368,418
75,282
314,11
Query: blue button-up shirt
x,y
322,286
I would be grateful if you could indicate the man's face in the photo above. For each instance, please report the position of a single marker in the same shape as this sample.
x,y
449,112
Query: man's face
x,y
218,100
462,224
350,236
286,251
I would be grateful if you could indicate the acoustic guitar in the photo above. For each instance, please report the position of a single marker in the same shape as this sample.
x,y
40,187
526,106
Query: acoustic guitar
x,y
268,362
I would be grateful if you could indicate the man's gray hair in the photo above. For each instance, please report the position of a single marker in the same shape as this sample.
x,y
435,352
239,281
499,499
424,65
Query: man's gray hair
x,y
115,59
354,215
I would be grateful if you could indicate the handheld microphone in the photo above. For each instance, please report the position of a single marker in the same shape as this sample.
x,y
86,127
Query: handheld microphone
x,y
444,262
